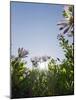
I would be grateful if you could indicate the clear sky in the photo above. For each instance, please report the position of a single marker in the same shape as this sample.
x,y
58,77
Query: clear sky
x,y
34,27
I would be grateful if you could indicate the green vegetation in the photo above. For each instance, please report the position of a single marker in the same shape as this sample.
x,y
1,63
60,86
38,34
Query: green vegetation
x,y
58,79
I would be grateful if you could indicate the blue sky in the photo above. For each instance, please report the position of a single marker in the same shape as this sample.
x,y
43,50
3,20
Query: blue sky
x,y
34,27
